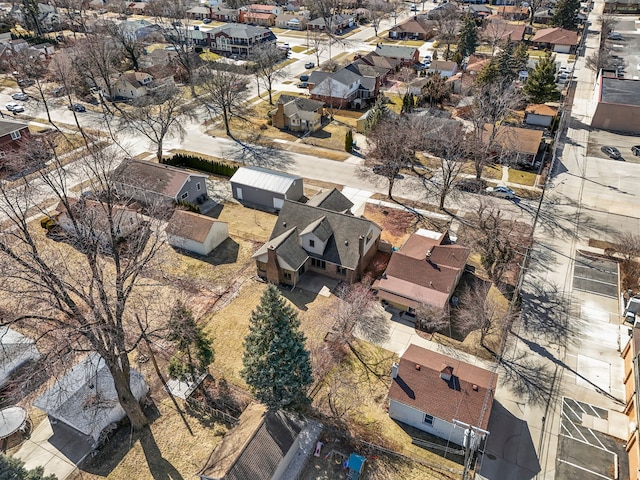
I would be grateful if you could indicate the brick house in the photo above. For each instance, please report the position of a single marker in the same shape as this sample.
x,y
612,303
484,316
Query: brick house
x,y
297,114
264,15
12,134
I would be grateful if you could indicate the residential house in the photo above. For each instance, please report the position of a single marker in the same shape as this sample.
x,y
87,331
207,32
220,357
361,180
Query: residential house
x,y
149,182
195,233
622,6
86,400
407,56
307,238
89,218
337,23
443,67
16,350
239,39
141,30
331,199
431,392
43,50
479,11
291,21
521,145
497,31
443,10
347,87
513,12
132,85
264,15
137,8
410,29
543,15
425,271
558,39
12,135
540,115
199,12
631,356
223,14
616,104
297,114
265,189
262,446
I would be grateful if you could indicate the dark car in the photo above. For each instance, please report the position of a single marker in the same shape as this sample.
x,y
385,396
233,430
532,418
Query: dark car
x,y
303,78
636,150
77,107
612,152
303,85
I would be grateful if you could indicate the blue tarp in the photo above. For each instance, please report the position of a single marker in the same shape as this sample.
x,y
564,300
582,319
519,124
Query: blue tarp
x,y
356,462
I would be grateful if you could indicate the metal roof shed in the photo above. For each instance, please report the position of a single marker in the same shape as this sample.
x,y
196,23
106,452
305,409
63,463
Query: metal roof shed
x,y
265,189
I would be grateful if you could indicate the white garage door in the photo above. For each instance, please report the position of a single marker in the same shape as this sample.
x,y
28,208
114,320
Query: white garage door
x,y
238,193
278,203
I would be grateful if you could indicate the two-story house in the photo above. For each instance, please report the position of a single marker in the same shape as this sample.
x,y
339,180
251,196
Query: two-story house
x,y
264,15
239,39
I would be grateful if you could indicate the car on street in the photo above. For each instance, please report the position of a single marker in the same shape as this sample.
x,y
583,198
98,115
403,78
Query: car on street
x,y
15,107
206,21
611,152
614,36
26,82
414,8
23,97
303,85
636,150
77,107
304,78
309,65
501,192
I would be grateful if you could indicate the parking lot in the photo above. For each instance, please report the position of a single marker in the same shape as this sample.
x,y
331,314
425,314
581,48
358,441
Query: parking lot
x,y
585,453
596,275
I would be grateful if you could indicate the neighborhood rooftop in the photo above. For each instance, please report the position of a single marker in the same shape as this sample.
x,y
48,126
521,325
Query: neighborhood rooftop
x,y
190,225
10,126
154,177
264,179
620,91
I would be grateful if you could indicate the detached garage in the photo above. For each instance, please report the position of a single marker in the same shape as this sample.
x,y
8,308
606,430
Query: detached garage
x,y
616,105
195,233
265,189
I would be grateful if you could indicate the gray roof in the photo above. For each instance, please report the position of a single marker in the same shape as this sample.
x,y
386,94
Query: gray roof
x,y
332,200
320,228
9,126
86,398
317,76
241,30
287,244
335,20
153,177
342,247
15,350
346,76
395,51
301,103
264,179
620,91
479,9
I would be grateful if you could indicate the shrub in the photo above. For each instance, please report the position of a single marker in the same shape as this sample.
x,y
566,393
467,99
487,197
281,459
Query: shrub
x,y
199,163
187,206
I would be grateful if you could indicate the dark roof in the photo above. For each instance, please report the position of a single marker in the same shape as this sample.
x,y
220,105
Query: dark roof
x,y
287,245
255,447
424,389
336,20
242,30
317,76
621,91
302,103
410,26
8,126
342,247
479,9
332,200
395,51
153,177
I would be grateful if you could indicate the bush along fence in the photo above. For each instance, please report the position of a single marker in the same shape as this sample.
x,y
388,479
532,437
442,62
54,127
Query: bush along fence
x,y
199,163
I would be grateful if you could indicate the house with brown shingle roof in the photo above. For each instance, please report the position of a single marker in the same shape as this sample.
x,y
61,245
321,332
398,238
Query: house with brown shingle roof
x,y
499,30
522,144
430,390
195,233
298,114
149,182
426,270
410,29
557,39
539,114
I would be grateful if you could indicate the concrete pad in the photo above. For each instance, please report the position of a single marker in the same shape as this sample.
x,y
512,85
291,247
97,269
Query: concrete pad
x,y
593,313
593,372
618,425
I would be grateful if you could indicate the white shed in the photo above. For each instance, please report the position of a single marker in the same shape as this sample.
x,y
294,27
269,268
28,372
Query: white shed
x,y
539,114
15,351
195,233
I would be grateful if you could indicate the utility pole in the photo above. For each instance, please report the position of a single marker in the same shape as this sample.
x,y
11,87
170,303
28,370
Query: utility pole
x,y
472,437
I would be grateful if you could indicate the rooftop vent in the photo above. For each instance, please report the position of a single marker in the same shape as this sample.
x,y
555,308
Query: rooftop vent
x,y
475,388
284,224
445,372
346,242
417,366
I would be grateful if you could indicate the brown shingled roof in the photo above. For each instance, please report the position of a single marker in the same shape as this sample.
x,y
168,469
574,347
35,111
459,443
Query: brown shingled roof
x,y
153,177
427,392
190,225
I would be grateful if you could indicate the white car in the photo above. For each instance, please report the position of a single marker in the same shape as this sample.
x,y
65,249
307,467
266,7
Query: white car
x,y
502,192
15,107
23,97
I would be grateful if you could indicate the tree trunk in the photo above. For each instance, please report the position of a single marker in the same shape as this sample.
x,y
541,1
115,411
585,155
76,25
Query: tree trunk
x,y
390,188
128,401
225,117
159,152
270,89
443,196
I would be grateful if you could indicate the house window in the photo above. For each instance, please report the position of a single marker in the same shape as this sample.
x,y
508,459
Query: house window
x,y
15,135
312,243
198,187
341,271
184,195
316,262
428,419
287,276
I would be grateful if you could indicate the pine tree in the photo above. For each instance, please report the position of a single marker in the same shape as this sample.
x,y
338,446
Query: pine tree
x,y
348,141
489,74
468,39
195,353
376,114
520,57
408,103
565,14
541,86
505,62
276,364
13,469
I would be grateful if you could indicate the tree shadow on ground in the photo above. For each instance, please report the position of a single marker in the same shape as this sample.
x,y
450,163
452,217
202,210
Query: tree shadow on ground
x,y
258,150
160,467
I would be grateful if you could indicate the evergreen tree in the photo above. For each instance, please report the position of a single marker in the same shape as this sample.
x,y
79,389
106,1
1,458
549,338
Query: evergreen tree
x,y
489,74
408,103
565,14
276,364
541,86
520,57
195,353
468,39
376,113
505,62
13,469
348,141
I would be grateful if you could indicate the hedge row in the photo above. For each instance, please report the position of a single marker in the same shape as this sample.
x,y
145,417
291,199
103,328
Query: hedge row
x,y
199,163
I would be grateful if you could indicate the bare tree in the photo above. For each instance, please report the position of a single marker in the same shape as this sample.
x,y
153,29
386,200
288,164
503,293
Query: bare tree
x,y
379,9
224,94
628,246
85,299
608,24
158,116
433,319
448,23
267,59
358,312
435,91
319,42
75,12
132,48
598,60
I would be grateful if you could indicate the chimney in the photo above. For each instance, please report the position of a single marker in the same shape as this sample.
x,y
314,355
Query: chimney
x,y
475,388
394,370
428,254
445,372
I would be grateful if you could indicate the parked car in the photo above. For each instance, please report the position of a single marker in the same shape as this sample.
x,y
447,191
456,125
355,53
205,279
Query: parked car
x,y
427,59
23,97
636,150
501,192
77,107
309,65
420,66
614,36
303,85
612,152
304,78
58,91
15,107
414,8
206,21
26,82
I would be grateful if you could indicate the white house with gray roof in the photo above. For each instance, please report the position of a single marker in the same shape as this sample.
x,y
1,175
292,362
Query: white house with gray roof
x,y
239,39
265,189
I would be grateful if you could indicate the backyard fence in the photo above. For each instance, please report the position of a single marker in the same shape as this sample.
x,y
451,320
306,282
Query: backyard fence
x,y
214,412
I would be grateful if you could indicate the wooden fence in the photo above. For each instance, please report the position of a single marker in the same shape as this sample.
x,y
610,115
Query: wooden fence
x,y
214,412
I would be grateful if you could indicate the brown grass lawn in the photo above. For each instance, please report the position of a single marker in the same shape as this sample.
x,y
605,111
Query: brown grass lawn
x,y
298,48
330,136
521,177
247,223
397,225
